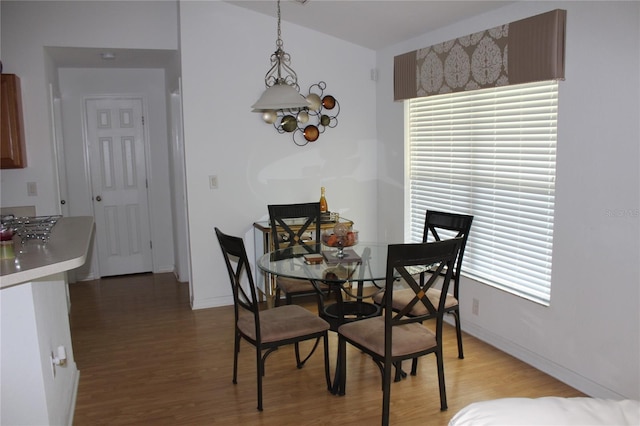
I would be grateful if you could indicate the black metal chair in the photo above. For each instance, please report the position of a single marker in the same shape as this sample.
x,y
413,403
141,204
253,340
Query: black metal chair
x,y
269,329
439,226
295,224
396,335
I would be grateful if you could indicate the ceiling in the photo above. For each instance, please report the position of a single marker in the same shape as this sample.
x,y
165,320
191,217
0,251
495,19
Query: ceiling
x,y
375,24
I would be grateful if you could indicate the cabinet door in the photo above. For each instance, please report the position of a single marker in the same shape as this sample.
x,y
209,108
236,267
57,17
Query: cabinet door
x,y
12,145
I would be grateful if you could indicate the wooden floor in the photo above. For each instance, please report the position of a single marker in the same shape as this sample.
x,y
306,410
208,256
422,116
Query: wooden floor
x,y
146,358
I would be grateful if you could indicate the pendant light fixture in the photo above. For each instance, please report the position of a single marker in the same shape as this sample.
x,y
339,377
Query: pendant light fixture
x,y
281,80
282,105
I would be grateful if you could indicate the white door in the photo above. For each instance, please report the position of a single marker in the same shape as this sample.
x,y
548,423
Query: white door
x,y
116,149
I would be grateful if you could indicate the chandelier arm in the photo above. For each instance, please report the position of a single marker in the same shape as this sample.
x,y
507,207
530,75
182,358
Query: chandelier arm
x,y
279,39
281,71
299,141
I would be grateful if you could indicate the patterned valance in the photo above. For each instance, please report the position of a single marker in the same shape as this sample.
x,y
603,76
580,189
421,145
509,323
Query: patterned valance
x,y
528,50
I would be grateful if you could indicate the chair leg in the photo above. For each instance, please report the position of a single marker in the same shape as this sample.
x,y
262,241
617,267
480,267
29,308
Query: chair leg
x,y
260,368
456,315
236,349
341,368
276,301
386,393
414,366
400,374
327,374
441,384
299,363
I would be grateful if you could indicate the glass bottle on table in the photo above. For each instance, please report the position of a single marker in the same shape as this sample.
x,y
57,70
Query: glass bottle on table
x,y
324,208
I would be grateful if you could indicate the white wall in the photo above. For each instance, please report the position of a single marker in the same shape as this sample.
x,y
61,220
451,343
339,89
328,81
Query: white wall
x,y
76,85
589,336
27,27
225,54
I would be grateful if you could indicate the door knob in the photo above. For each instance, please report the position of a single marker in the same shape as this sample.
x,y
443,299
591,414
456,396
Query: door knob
x,y
98,198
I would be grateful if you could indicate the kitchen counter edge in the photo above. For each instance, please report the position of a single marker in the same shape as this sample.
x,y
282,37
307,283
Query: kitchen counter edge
x,y
66,249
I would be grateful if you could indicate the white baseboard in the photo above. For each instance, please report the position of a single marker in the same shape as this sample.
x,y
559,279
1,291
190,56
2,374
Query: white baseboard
x,y
164,269
565,375
211,302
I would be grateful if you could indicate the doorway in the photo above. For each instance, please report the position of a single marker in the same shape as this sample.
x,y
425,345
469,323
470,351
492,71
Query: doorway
x,y
73,87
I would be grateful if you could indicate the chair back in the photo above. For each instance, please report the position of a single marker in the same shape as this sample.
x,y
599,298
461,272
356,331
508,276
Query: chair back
x,y
444,225
440,256
292,224
244,296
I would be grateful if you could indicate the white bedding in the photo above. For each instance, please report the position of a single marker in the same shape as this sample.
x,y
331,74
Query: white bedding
x,y
549,411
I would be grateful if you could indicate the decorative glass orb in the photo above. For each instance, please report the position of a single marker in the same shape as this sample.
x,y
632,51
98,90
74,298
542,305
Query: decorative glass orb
x,y
329,102
303,117
289,123
311,133
341,229
314,101
270,116
325,120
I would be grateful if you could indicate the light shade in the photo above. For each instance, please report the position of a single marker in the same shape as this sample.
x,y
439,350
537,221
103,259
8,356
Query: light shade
x,y
280,96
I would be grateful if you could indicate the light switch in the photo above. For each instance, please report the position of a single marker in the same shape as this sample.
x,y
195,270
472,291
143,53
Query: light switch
x,y
213,182
32,189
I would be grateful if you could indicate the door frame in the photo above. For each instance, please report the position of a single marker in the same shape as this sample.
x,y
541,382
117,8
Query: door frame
x,y
87,164
55,110
180,203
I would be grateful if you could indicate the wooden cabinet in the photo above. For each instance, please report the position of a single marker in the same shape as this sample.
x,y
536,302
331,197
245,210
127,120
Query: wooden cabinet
x,y
13,153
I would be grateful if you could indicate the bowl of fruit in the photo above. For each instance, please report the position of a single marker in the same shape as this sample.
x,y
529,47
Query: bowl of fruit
x,y
340,236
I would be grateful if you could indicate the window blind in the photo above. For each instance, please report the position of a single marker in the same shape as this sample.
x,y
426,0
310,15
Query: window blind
x,y
490,153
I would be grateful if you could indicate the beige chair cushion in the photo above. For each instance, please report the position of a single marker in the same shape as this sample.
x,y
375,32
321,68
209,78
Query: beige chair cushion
x,y
407,339
402,297
293,285
283,322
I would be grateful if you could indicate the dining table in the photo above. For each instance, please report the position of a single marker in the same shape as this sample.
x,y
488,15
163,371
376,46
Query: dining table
x,y
353,274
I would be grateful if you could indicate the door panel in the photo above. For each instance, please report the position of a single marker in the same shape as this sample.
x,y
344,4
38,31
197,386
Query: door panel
x,y
119,182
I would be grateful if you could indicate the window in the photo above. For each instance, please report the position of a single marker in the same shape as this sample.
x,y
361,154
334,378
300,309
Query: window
x,y
490,153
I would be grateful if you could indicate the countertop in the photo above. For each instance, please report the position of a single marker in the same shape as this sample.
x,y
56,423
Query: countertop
x,y
66,249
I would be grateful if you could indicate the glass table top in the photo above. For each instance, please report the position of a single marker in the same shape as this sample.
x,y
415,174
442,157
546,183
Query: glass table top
x,y
362,262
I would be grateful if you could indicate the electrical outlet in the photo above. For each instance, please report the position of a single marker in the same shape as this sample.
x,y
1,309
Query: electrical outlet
x,y
475,307
213,182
